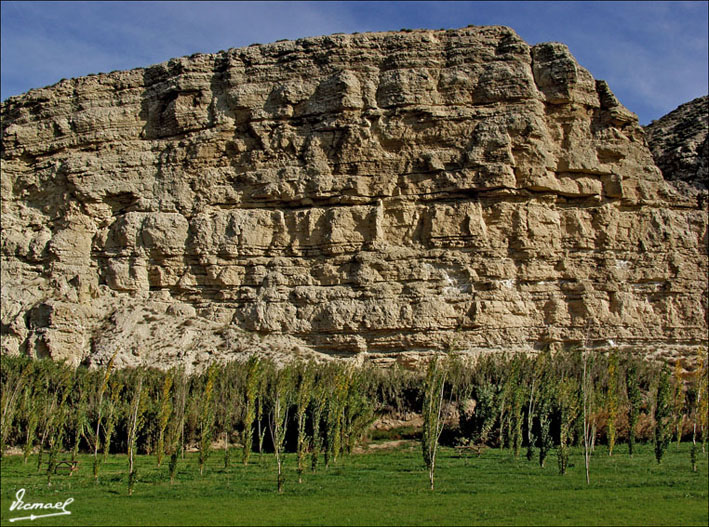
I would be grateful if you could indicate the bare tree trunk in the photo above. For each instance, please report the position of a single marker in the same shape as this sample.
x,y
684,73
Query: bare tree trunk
x,y
432,471
280,476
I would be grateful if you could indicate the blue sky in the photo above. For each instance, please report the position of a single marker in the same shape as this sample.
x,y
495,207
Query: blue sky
x,y
653,54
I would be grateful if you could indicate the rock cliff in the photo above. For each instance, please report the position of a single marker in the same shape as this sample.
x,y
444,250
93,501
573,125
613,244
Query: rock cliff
x,y
379,194
679,143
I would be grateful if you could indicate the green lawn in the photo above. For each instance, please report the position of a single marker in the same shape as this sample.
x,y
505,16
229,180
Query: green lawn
x,y
383,487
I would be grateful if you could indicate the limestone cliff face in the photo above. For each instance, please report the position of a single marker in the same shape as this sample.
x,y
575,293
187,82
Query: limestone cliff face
x,y
679,143
380,193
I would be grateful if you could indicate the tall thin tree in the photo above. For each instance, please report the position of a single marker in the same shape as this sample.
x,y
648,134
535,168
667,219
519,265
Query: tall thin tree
x,y
303,396
135,425
113,408
433,418
176,427
567,404
612,399
317,408
9,397
97,431
254,372
588,398
663,416
678,400
281,391
165,405
206,419
634,402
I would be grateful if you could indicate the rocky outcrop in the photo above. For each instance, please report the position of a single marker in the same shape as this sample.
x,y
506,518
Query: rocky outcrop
x,y
680,144
360,194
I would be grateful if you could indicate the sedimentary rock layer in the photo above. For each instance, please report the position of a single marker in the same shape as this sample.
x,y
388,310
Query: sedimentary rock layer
x,y
369,193
679,143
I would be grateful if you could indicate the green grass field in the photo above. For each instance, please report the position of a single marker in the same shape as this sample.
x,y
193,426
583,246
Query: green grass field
x,y
379,487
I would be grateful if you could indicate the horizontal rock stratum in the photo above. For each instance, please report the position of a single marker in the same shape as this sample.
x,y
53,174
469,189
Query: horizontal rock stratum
x,y
380,194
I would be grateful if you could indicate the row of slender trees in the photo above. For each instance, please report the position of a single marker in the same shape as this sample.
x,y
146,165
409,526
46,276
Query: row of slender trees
x,y
322,411
576,397
319,411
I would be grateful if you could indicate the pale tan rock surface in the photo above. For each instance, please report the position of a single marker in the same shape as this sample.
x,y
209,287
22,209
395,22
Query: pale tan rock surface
x,y
345,195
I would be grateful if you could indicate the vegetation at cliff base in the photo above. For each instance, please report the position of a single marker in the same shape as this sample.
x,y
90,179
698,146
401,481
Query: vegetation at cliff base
x,y
266,443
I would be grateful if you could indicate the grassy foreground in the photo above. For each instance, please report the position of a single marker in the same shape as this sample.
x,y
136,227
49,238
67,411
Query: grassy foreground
x,y
379,487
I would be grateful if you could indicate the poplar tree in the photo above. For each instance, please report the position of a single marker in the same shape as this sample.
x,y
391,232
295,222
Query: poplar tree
x,y
516,414
135,425
113,407
663,416
260,400
678,400
227,405
503,408
9,397
358,411
338,386
692,399
567,403
58,418
48,407
206,419
318,404
612,399
80,421
164,413
281,393
545,408
254,373
696,399
634,402
97,431
433,419
537,372
303,395
32,408
176,427
703,394
587,391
